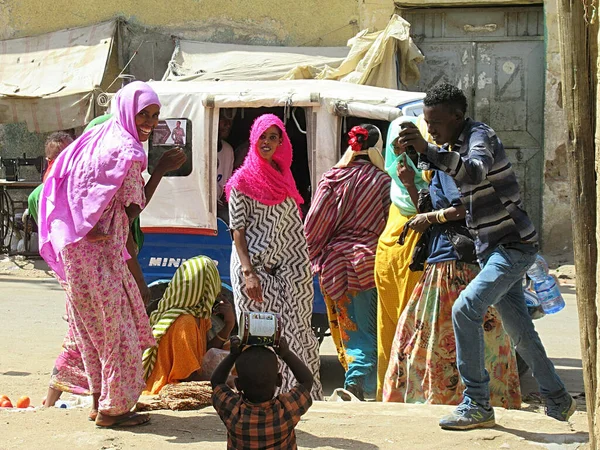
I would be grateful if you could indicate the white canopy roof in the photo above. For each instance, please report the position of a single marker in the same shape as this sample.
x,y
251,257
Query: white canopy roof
x,y
48,81
231,94
204,61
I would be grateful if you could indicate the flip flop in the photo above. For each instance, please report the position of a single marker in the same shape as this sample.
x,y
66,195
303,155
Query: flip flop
x,y
130,420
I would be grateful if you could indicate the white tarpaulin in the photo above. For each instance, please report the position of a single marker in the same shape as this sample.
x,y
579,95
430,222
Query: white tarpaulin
x,y
48,81
204,61
375,59
379,59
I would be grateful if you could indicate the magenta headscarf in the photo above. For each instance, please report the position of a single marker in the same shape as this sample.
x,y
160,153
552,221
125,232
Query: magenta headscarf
x,y
256,178
88,173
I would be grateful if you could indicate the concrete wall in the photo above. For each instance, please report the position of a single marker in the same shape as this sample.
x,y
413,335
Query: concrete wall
x,y
558,236
275,22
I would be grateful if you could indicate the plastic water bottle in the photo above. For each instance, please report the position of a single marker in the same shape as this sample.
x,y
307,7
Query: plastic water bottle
x,y
533,303
538,271
74,401
545,287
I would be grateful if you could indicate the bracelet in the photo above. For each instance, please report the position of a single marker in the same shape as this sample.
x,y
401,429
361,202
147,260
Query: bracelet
x,y
427,219
441,217
220,338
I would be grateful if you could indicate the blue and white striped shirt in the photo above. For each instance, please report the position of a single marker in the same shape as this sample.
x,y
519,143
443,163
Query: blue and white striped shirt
x,y
488,186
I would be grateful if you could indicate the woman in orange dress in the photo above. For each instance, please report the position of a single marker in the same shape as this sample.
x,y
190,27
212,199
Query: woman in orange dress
x,y
182,323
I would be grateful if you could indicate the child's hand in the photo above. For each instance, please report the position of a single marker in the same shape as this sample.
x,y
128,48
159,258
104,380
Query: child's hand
x,y
283,348
235,345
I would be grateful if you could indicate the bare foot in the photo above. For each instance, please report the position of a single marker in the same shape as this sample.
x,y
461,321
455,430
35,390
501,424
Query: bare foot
x,y
94,411
130,419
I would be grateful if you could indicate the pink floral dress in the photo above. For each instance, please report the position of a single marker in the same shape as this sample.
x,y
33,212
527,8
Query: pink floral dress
x,y
106,310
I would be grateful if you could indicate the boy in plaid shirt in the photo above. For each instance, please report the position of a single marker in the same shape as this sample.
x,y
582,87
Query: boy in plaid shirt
x,y
254,418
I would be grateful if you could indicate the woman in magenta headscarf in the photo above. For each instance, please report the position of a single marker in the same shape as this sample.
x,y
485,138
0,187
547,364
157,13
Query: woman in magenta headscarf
x,y
270,269
94,190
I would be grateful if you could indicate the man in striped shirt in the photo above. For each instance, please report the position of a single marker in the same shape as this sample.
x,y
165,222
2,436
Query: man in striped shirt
x,y
506,244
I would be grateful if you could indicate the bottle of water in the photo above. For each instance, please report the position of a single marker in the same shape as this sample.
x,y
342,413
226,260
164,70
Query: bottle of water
x,y
538,270
545,287
63,404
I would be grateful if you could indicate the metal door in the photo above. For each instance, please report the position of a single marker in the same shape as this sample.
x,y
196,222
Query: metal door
x,y
496,56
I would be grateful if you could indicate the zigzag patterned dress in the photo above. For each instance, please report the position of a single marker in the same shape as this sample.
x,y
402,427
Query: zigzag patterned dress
x,y
275,239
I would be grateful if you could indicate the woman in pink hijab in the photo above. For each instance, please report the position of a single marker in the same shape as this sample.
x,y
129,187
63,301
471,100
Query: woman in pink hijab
x,y
270,269
93,191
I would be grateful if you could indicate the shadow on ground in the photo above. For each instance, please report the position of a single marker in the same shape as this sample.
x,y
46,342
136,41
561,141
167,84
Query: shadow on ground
x,y
546,438
209,428
332,374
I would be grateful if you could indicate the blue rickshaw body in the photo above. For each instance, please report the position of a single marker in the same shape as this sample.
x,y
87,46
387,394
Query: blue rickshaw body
x,y
163,253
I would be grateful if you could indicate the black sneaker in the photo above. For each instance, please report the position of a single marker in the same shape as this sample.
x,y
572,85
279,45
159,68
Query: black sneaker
x,y
469,415
561,408
357,391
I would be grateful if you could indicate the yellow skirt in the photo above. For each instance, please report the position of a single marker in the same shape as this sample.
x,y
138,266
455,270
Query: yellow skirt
x,y
395,283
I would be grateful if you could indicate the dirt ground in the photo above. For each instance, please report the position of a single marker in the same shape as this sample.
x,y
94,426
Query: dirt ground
x,y
31,332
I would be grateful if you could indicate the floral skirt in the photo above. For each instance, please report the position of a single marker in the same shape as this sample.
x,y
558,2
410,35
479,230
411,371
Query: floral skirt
x,y
68,374
423,367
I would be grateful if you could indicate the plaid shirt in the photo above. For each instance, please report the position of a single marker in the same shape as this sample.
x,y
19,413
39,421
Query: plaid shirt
x,y
268,425
488,186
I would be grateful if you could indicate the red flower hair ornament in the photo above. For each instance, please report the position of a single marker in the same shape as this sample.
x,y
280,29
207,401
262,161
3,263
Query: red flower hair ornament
x,y
354,142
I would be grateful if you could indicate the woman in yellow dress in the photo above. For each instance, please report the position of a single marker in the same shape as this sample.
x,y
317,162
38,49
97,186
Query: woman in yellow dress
x,y
394,280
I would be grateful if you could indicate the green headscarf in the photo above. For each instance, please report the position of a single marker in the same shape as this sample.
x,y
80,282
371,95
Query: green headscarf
x,y
136,229
398,193
192,291
97,121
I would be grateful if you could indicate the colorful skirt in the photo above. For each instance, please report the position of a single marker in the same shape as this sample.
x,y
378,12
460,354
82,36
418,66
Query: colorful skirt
x,y
423,366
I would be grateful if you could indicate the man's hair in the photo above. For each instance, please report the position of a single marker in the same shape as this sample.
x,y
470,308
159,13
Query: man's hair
x,y
56,143
257,369
446,94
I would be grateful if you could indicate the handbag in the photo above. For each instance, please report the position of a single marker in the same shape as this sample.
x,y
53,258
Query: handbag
x,y
420,252
462,242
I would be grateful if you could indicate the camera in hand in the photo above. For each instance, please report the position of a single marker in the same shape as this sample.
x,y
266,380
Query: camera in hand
x,y
420,160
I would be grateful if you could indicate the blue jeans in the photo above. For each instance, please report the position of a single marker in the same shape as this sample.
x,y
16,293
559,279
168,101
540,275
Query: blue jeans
x,y
500,284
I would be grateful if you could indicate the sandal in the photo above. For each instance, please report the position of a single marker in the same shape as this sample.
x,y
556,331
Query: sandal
x,y
127,420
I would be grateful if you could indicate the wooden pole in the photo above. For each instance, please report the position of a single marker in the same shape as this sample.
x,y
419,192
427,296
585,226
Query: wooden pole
x,y
578,98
